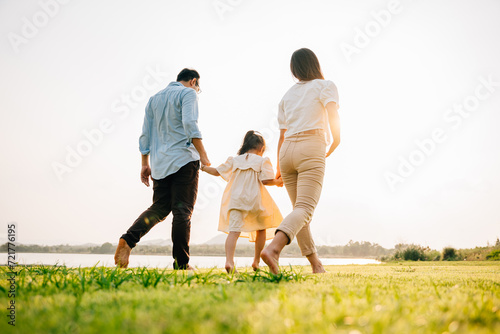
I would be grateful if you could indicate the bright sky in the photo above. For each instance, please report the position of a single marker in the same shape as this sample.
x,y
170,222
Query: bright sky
x,y
418,71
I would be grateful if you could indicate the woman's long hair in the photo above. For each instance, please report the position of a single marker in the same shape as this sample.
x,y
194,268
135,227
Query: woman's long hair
x,y
252,140
305,65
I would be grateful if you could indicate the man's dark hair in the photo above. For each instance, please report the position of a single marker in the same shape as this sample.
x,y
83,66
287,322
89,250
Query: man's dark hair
x,y
188,74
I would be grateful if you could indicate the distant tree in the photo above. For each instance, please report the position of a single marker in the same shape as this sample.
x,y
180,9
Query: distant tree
x,y
107,247
410,252
494,255
449,254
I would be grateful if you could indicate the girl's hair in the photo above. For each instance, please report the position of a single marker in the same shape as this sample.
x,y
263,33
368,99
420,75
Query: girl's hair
x,y
305,65
253,140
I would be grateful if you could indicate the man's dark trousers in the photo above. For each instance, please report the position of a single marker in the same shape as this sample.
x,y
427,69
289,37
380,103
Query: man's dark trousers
x,y
177,194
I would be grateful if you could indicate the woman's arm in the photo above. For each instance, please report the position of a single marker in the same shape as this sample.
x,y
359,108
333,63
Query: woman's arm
x,y
334,121
210,170
280,142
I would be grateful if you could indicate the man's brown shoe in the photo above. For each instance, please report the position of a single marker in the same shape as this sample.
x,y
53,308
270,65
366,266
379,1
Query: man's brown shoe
x,y
122,254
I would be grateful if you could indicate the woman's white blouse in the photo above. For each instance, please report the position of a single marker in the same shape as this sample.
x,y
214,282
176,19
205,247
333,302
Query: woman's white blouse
x,y
304,106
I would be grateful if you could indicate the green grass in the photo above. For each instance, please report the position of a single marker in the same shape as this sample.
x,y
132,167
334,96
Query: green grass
x,y
410,297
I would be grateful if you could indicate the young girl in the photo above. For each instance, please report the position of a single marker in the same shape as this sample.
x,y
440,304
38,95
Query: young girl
x,y
247,209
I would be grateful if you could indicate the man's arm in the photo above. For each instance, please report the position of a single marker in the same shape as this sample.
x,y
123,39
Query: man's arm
x,y
144,139
144,144
145,170
190,124
198,144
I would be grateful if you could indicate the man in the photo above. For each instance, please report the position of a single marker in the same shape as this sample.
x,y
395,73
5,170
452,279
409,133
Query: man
x,y
170,135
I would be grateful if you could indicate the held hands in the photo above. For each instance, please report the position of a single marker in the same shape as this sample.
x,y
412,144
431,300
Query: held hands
x,y
204,161
279,181
145,174
273,182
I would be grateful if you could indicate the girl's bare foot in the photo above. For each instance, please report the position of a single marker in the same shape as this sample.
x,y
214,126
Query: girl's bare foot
x,y
271,258
260,242
230,268
255,265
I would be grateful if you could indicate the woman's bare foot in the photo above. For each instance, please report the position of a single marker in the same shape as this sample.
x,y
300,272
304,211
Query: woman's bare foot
x,y
271,258
318,269
271,254
122,254
316,265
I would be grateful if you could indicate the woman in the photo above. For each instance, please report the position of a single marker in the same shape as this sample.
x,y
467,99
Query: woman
x,y
306,113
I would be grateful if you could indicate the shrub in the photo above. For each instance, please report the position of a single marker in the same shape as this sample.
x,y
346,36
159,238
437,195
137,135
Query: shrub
x,y
410,253
494,255
449,254
414,254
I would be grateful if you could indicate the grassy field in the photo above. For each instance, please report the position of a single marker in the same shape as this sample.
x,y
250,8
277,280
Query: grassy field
x,y
412,297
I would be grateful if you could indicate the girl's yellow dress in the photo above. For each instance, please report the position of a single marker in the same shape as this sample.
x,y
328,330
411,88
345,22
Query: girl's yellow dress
x,y
246,193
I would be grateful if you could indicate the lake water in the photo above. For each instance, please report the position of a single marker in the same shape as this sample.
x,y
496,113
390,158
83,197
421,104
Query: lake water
x,y
162,261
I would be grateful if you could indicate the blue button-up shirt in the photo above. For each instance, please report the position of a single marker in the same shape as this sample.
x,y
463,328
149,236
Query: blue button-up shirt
x,y
170,124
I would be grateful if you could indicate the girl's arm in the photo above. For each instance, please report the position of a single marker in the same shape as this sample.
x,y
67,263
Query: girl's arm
x,y
275,182
334,120
280,142
210,170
